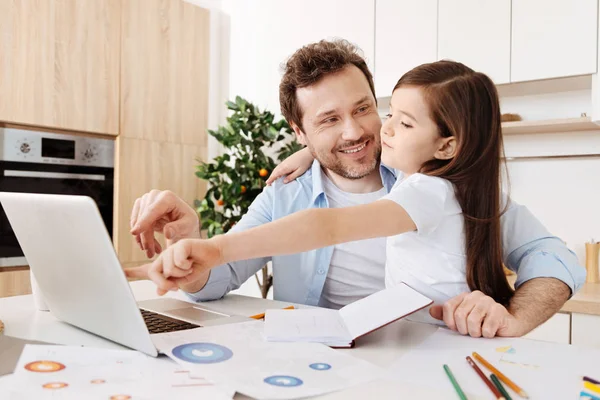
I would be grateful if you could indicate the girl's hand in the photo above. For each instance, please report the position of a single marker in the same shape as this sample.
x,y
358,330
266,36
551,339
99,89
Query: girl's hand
x,y
293,166
183,263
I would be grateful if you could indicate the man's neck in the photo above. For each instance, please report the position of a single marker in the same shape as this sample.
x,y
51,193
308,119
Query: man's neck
x,y
368,184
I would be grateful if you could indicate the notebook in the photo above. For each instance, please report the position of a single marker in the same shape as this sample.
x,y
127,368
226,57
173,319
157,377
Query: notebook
x,y
339,328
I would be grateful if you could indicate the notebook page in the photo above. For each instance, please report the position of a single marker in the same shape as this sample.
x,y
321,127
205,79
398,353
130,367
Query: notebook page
x,y
309,325
381,308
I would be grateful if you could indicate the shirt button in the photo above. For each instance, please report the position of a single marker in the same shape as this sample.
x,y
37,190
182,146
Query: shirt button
x,y
321,271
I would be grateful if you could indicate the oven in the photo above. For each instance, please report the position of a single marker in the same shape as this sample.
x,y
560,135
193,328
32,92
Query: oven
x,y
52,163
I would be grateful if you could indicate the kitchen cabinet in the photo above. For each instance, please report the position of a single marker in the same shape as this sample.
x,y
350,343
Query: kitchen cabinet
x,y
585,330
405,37
476,33
264,33
59,64
553,38
557,329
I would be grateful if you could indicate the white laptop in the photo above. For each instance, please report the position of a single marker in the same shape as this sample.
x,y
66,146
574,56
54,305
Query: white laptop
x,y
73,260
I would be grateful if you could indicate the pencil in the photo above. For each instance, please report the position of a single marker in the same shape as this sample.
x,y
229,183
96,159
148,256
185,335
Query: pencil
x,y
588,379
496,381
591,386
485,379
459,391
262,315
501,376
587,395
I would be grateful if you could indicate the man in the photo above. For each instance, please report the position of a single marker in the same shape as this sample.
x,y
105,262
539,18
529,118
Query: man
x,y
327,96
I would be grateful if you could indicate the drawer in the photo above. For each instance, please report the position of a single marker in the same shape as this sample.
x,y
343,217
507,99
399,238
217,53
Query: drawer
x,y
585,330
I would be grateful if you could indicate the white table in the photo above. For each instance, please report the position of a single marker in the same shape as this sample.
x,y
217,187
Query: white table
x,y
381,347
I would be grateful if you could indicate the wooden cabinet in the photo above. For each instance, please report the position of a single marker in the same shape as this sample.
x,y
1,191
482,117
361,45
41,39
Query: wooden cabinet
x,y
553,38
164,71
144,165
405,37
59,64
585,330
476,33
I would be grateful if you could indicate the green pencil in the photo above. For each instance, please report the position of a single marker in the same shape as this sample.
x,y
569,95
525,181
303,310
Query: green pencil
x,y
501,388
459,391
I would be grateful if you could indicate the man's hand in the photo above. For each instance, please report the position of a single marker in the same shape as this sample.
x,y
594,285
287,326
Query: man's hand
x,y
186,265
477,315
162,211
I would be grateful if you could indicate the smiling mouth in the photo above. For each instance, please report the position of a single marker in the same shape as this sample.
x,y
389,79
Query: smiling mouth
x,y
356,149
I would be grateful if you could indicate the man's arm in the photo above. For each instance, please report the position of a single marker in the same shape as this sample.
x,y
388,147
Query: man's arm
x,y
217,282
547,274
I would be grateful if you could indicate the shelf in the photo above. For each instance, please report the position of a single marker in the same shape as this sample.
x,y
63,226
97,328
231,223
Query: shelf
x,y
550,126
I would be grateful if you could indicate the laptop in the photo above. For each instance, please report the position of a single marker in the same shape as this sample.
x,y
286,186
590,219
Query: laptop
x,y
72,257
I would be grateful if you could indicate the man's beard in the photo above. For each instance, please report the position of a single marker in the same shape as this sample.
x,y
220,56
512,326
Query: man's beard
x,y
350,170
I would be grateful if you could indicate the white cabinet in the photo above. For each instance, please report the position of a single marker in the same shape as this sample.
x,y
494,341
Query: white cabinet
x,y
557,330
405,37
553,38
264,33
476,33
585,330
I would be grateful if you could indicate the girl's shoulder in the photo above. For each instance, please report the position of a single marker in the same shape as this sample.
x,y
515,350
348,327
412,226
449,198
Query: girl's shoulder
x,y
424,181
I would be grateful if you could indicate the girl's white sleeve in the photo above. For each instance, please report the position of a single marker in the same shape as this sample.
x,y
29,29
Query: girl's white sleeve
x,y
426,199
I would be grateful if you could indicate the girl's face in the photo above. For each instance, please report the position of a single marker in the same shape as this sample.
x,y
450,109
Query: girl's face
x,y
409,137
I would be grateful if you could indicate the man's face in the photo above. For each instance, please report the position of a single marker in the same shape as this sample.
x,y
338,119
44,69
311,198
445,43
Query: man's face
x,y
340,123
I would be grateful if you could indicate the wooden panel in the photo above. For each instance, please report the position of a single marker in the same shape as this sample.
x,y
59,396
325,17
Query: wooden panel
x,y
164,79
59,64
144,165
14,283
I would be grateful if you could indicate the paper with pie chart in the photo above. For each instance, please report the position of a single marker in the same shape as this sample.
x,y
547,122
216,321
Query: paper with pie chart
x,y
73,372
237,356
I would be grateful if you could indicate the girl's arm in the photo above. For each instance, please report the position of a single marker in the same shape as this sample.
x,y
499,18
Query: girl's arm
x,y
293,166
315,228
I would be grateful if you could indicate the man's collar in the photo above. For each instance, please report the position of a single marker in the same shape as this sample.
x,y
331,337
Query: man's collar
x,y
388,177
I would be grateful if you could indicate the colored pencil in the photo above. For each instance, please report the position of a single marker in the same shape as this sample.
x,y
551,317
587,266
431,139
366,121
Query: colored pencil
x,y
588,379
485,379
496,382
501,376
591,386
457,387
262,315
588,395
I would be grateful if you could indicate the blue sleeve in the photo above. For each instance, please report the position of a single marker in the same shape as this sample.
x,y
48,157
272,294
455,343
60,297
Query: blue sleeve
x,y
227,277
532,252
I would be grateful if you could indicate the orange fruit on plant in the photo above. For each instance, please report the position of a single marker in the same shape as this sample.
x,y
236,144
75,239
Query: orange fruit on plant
x,y
263,172
243,189
220,202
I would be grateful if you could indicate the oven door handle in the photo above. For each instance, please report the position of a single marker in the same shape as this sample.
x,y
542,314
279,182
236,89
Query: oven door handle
x,y
53,175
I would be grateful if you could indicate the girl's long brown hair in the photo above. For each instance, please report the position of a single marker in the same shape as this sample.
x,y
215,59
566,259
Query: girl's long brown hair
x,y
464,104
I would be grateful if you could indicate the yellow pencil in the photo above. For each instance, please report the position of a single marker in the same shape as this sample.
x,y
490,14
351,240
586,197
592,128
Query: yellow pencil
x,y
262,315
592,387
501,376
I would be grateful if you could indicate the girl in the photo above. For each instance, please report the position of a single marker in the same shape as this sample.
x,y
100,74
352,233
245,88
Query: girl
x,y
442,217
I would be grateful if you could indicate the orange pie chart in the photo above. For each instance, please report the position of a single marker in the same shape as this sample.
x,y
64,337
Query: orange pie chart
x,y
44,366
55,385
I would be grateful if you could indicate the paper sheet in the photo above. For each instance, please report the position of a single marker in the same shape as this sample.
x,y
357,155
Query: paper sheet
x,y
306,325
544,370
238,356
73,372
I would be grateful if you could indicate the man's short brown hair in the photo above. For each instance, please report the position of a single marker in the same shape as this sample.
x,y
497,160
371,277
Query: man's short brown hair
x,y
310,64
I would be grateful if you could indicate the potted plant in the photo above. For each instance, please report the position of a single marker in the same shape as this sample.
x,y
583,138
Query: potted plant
x,y
236,177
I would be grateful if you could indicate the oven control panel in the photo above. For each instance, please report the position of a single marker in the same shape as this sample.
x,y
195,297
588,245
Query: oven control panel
x,y
55,148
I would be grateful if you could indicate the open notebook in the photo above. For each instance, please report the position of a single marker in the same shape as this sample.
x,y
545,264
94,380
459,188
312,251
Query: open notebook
x,y
339,328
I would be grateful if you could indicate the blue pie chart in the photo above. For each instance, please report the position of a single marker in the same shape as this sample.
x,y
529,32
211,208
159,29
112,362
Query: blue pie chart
x,y
320,366
283,381
202,353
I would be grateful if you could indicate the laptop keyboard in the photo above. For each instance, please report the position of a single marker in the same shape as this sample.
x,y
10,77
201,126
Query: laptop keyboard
x,y
158,323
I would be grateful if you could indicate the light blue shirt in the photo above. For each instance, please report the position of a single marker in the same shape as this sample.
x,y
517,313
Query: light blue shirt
x,y
528,248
